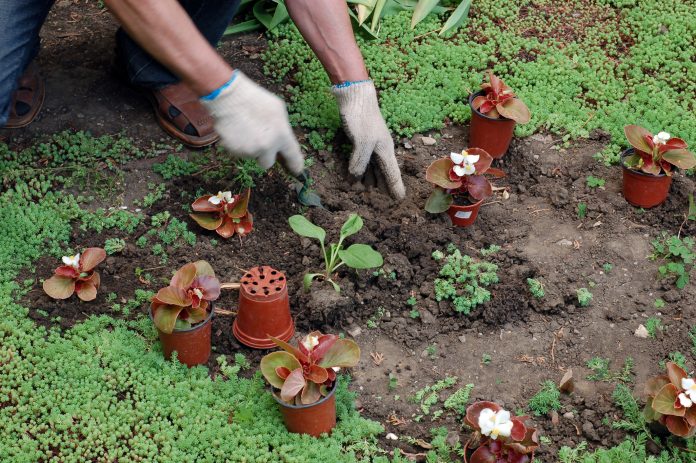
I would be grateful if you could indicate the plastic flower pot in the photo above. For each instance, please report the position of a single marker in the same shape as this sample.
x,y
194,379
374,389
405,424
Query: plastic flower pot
x,y
192,345
464,216
264,309
314,419
490,134
641,189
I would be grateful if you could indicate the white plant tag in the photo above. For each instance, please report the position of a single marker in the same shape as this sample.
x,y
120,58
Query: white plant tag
x,y
463,214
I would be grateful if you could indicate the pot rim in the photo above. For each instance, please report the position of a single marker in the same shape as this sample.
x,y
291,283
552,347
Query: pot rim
x,y
299,407
477,203
193,328
496,119
630,151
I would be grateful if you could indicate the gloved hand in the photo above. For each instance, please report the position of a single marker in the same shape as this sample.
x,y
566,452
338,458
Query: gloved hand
x,y
365,126
253,123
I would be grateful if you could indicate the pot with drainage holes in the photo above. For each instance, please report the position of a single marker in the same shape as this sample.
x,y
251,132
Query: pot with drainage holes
x,y
264,309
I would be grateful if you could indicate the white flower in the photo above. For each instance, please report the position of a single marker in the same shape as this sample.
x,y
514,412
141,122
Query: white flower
x,y
222,196
689,386
661,138
198,293
73,261
336,369
310,342
495,424
684,400
464,163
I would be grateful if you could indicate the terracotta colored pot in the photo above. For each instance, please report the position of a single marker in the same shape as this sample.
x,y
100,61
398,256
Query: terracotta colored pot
x,y
641,189
264,309
314,419
463,216
489,134
192,345
468,452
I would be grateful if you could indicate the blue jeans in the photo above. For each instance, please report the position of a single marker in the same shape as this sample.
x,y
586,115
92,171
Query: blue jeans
x,y
21,21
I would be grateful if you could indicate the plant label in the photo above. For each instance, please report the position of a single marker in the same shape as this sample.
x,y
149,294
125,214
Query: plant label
x,y
463,214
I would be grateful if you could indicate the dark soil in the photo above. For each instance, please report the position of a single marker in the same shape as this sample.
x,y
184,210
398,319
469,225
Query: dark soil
x,y
533,217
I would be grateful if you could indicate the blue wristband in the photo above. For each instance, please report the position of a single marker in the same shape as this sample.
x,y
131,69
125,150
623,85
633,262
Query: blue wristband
x,y
214,94
348,83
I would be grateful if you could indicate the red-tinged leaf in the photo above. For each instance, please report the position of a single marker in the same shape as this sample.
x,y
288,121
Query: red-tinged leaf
x,y
519,430
310,393
654,384
203,205
675,144
245,225
495,172
514,457
493,113
677,426
241,205
184,277
485,159
209,286
332,375
165,316
173,295
486,107
675,373
270,363
59,287
226,229
343,353
293,385
664,401
496,83
86,291
528,444
681,158
325,343
514,109
209,221
438,173
317,374
649,167
290,349
90,258
479,187
67,271
197,315
474,410
635,135
282,372
690,416
478,101
483,455
203,268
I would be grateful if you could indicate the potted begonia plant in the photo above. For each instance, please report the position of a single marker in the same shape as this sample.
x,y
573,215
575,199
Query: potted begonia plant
x,y
77,275
461,185
648,166
303,380
495,110
671,401
225,213
182,312
499,436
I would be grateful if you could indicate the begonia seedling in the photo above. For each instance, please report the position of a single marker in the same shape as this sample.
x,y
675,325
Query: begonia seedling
x,y
499,101
655,154
77,275
225,213
672,401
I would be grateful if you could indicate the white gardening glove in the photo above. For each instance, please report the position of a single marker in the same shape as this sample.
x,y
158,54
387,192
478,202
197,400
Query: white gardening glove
x,y
365,126
253,123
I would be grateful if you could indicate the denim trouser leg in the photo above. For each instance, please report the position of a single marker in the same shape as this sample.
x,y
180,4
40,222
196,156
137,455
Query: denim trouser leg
x,y
211,17
20,23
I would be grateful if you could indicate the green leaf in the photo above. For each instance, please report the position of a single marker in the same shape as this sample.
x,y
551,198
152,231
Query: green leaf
x,y
165,317
345,353
207,221
683,159
304,227
240,28
692,208
271,361
361,256
308,278
439,201
377,13
664,401
270,22
423,9
457,18
352,226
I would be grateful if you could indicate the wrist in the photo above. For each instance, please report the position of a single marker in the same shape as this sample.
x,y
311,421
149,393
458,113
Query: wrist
x,y
349,83
215,93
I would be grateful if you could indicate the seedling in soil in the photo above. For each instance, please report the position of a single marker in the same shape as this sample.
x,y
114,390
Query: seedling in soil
x,y
356,256
373,321
76,276
438,255
601,371
502,436
186,300
584,297
430,395
675,357
492,249
656,154
582,210
431,350
114,245
536,288
500,101
633,418
653,325
678,255
306,373
393,382
226,214
414,314
458,401
607,268
391,276
486,359
463,281
659,303
546,400
411,301
595,182
672,401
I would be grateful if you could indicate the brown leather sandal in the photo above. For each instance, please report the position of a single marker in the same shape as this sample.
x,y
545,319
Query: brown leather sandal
x,y
182,116
28,99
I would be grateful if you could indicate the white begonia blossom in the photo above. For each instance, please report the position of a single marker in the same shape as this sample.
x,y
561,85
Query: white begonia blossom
x,y
685,401
222,196
198,293
73,261
464,163
661,138
494,424
310,342
689,386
